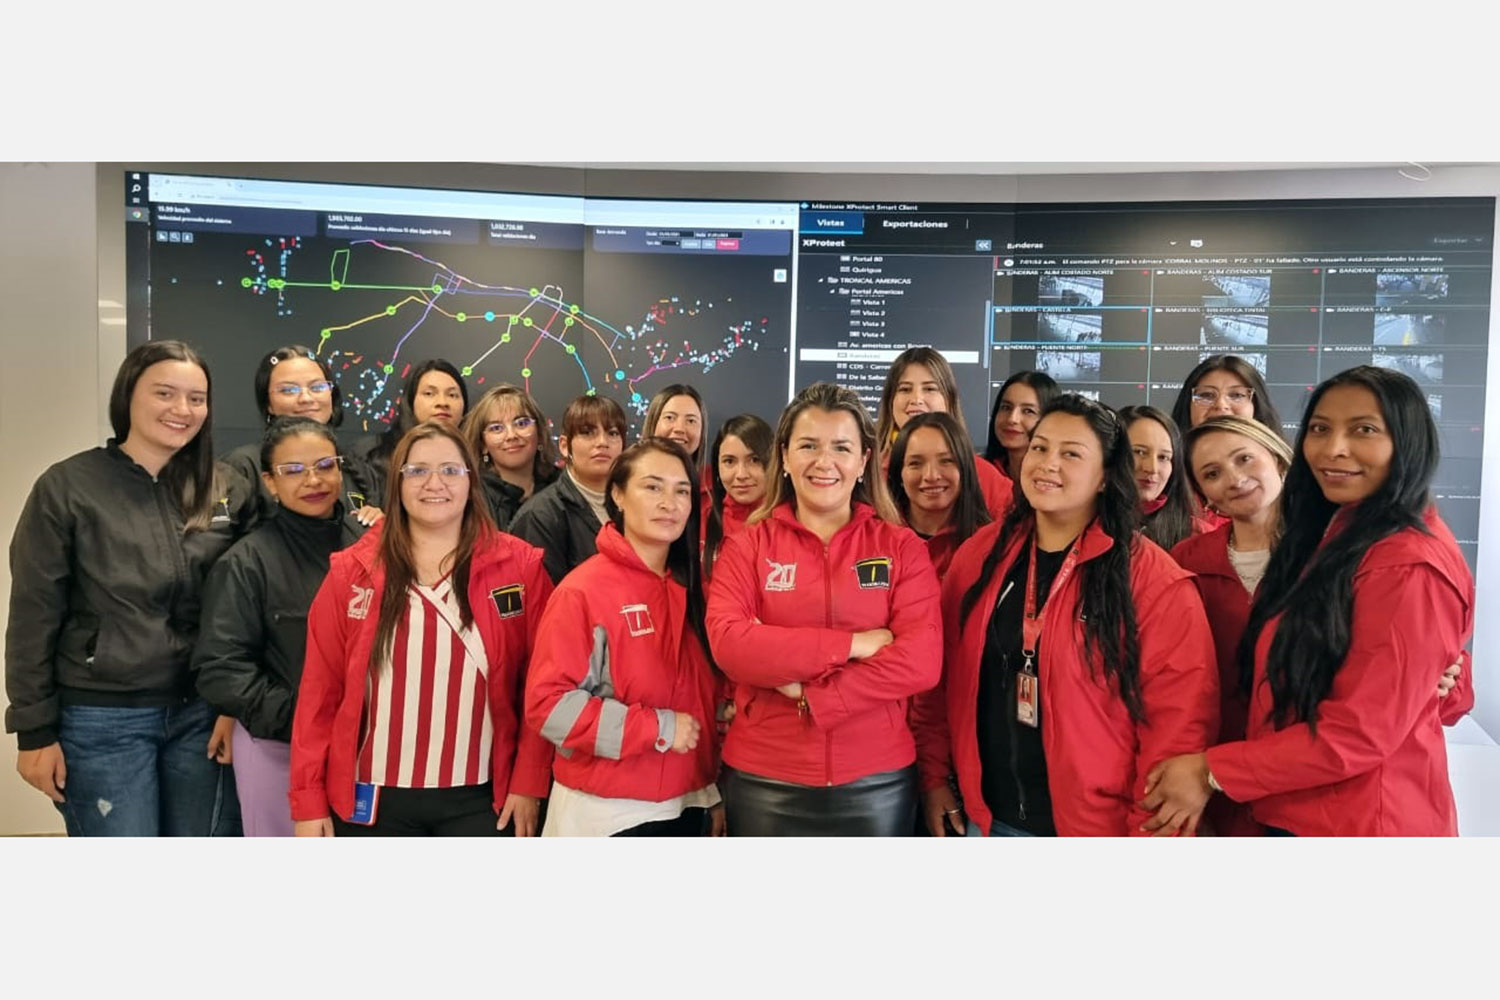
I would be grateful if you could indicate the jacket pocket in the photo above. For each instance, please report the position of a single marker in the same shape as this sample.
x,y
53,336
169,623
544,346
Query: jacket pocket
x,y
77,645
288,640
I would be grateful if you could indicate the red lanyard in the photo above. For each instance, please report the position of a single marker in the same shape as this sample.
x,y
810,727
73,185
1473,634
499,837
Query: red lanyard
x,y
1032,619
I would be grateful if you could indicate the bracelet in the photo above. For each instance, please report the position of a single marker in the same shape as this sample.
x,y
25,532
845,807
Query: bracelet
x,y
1212,781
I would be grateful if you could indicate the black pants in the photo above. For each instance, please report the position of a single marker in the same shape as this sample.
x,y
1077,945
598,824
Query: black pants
x,y
463,811
692,823
1276,831
877,805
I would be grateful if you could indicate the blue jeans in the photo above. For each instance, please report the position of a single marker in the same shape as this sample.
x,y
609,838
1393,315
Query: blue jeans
x,y
997,829
144,772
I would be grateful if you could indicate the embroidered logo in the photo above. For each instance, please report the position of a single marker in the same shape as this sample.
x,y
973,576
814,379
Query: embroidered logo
x,y
222,516
783,576
874,573
359,604
638,619
508,599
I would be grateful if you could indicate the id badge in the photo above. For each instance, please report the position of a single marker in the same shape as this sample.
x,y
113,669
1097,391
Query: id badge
x,y
366,804
1028,699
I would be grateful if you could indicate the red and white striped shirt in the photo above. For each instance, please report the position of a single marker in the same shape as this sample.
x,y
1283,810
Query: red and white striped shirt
x,y
426,720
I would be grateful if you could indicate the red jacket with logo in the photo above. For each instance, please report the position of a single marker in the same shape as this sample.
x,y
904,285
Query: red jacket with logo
x,y
783,608
1377,764
615,661
508,588
1097,756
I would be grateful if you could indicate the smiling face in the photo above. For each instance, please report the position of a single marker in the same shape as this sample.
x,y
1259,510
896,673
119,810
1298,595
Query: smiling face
x,y
656,500
1235,474
824,459
438,397
1063,471
1231,397
681,420
1151,447
311,492
741,472
1016,415
168,406
1348,445
298,388
434,501
917,391
511,437
930,473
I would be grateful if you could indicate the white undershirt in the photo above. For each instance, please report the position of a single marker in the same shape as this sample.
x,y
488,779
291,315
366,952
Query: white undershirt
x,y
571,813
1250,566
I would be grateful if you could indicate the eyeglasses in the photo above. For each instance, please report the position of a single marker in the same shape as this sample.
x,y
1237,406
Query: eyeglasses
x,y
1236,397
448,470
323,466
518,425
316,388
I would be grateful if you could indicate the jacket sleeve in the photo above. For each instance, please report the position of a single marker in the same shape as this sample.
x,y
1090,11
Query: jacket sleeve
x,y
1406,629
547,533
911,664
569,697
1179,680
230,652
318,697
533,771
1460,700
41,561
929,709
751,652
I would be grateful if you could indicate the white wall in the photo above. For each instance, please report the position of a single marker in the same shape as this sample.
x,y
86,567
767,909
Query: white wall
x,y
60,261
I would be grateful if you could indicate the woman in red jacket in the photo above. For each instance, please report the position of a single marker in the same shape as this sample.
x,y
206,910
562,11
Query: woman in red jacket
x,y
824,612
1077,654
736,476
1365,603
922,381
408,715
1169,509
1018,406
620,682
931,478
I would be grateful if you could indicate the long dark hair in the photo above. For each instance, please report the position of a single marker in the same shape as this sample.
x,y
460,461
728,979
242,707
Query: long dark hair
x,y
969,511
1265,410
755,433
1311,583
682,555
942,373
1173,521
1109,631
189,473
1046,390
406,415
268,365
659,402
395,551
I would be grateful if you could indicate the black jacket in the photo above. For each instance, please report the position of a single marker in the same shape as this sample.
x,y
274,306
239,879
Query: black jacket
x,y
506,499
560,522
104,591
248,658
244,462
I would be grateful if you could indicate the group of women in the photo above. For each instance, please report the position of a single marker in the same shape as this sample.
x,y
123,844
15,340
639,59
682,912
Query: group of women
x,y
1108,623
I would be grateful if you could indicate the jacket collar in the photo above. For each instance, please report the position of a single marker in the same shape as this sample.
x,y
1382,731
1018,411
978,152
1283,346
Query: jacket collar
x,y
617,548
366,551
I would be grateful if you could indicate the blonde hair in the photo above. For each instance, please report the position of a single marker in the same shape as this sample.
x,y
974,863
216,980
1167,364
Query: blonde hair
x,y
1252,430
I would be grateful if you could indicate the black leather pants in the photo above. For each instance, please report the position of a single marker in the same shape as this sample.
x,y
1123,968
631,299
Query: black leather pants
x,y
878,805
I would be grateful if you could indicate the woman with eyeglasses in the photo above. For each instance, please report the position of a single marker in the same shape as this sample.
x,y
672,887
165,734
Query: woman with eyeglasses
x,y
253,633
107,568
292,381
408,718
508,431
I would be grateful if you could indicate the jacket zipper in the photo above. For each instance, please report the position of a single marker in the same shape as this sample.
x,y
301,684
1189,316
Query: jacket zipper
x,y
828,618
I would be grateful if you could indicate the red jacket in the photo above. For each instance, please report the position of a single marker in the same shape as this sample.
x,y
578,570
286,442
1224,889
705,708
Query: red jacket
x,y
783,607
340,632
1097,757
735,516
1377,764
615,661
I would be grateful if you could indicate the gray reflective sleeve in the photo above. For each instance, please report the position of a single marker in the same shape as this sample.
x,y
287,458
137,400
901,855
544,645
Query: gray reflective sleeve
x,y
666,728
564,716
610,736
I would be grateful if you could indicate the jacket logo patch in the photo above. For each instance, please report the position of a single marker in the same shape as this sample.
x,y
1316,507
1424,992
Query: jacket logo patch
x,y
359,604
638,619
355,498
783,576
508,599
222,515
874,573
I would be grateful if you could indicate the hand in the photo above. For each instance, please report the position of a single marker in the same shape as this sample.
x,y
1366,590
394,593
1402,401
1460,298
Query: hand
x,y
792,690
938,805
524,809
728,712
314,827
687,733
368,515
221,740
718,826
1176,791
866,644
1449,679
44,770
